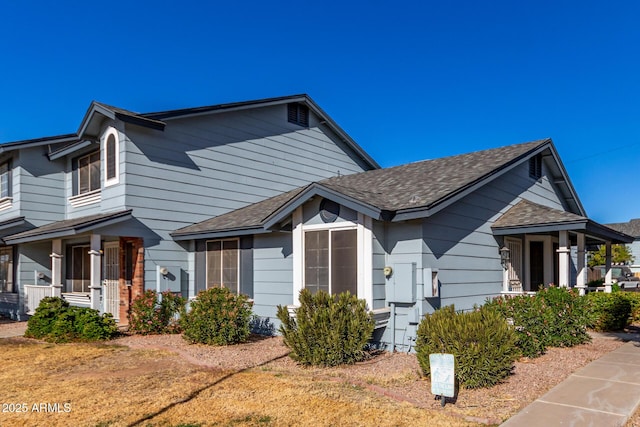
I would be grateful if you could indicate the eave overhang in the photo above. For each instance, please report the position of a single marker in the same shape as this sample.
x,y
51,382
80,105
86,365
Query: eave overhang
x,y
67,228
232,232
586,226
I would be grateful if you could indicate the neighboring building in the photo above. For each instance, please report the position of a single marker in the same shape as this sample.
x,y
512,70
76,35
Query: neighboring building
x,y
412,238
632,228
88,215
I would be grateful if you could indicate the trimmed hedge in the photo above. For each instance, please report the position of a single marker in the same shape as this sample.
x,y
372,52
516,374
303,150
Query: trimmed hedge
x,y
56,321
609,311
483,344
154,313
327,330
217,317
553,317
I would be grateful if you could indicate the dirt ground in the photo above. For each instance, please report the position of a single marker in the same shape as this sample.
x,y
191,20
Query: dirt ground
x,y
144,385
164,381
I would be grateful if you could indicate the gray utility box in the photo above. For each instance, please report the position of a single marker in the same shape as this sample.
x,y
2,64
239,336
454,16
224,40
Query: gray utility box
x,y
401,285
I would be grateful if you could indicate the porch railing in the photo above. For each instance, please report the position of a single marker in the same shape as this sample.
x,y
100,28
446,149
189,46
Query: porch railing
x,y
81,300
33,294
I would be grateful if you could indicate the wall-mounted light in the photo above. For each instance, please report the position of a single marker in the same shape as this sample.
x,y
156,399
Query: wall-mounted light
x,y
504,257
387,271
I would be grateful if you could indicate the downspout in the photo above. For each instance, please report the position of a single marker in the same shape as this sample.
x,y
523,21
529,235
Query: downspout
x,y
393,327
392,322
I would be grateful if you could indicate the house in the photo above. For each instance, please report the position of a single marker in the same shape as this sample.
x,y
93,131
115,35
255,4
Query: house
x,y
88,215
409,239
631,228
271,196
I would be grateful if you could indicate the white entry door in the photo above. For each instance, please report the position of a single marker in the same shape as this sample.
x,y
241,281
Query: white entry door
x,y
111,277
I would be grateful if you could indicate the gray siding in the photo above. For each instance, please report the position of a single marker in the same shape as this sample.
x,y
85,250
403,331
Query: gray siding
x,y
273,274
459,244
208,165
379,262
37,188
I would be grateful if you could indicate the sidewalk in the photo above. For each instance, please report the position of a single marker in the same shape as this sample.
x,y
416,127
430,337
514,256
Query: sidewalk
x,y
12,329
606,392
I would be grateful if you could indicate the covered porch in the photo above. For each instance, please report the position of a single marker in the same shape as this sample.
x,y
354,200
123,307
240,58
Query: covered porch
x,y
540,246
89,266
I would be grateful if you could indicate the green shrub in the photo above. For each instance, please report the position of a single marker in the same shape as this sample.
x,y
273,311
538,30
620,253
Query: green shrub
x,y
524,312
553,317
566,317
217,317
56,321
156,314
327,330
609,311
483,344
634,301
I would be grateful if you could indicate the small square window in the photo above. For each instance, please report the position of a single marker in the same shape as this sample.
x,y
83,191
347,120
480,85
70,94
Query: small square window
x,y
298,114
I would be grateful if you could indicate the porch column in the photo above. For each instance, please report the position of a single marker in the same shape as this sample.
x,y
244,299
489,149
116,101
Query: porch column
x,y
609,273
298,256
95,285
56,267
563,259
582,272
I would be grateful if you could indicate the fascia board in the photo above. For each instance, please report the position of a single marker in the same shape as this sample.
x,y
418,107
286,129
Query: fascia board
x,y
195,112
341,133
219,234
18,145
94,109
563,226
567,180
69,150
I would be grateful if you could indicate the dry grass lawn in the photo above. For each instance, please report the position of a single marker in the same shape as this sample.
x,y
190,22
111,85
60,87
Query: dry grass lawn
x,y
110,385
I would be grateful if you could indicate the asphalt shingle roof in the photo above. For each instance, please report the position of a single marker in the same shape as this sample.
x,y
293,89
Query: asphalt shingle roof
x,y
632,228
526,213
248,217
414,185
425,183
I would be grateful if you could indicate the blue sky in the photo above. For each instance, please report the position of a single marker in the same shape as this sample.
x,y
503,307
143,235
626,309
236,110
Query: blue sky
x,y
407,80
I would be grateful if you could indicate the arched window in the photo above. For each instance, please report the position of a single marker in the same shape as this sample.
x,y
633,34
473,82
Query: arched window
x,y
111,157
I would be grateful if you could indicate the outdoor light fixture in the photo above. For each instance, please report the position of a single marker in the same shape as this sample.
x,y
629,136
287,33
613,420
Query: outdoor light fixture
x,y
504,257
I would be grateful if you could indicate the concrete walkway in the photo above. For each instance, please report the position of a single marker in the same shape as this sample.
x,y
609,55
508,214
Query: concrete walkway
x,y
12,329
606,392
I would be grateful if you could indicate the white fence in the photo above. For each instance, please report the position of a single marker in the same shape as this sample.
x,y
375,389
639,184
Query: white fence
x,y
33,294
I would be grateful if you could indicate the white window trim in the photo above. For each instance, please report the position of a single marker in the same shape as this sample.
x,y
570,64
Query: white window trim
x,y
364,248
6,203
206,262
85,199
111,131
